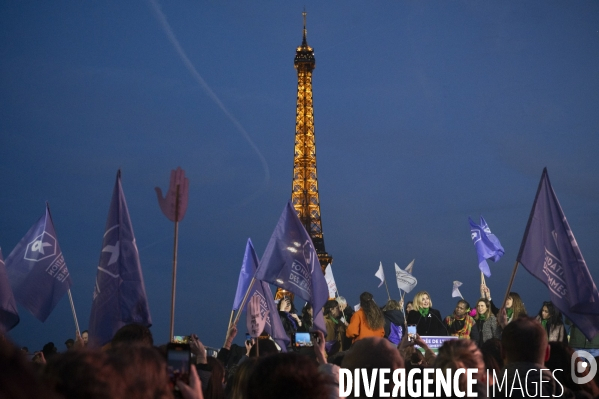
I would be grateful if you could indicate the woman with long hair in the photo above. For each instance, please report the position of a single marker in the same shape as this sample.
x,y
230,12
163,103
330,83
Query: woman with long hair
x,y
289,318
485,326
514,307
426,319
551,320
368,321
393,315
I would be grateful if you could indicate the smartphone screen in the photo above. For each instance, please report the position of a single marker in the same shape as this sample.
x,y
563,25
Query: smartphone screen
x,y
181,339
302,339
178,362
411,332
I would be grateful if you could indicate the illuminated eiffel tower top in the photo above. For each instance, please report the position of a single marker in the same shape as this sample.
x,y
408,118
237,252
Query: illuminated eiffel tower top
x,y
304,192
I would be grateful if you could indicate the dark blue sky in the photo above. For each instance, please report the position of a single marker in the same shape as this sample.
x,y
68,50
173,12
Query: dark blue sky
x,y
425,113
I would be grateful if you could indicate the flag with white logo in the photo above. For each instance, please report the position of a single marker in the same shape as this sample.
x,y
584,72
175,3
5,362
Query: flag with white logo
x,y
9,317
410,267
405,281
330,279
380,274
37,271
290,262
550,252
119,293
486,243
456,290
261,290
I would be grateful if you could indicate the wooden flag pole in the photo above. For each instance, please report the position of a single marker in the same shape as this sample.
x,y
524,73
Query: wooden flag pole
x,y
389,295
74,314
245,297
174,285
509,287
230,320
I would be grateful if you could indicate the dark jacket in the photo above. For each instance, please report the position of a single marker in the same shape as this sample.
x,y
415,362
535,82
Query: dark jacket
x,y
393,316
432,324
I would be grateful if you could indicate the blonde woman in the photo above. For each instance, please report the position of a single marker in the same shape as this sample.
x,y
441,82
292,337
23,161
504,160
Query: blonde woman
x,y
426,319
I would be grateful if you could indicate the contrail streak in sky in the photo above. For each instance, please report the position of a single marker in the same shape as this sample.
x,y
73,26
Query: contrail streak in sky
x,y
195,74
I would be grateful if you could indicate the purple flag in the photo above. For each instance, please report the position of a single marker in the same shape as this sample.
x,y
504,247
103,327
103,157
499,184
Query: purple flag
x,y
486,244
273,325
119,294
37,271
290,262
9,317
550,252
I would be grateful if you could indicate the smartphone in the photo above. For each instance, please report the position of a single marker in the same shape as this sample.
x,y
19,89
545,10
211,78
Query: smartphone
x,y
181,339
178,360
301,339
411,332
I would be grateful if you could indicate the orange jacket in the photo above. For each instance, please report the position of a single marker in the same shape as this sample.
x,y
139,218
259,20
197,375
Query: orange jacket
x,y
358,328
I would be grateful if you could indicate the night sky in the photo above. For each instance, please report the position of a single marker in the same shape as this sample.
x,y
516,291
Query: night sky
x,y
426,112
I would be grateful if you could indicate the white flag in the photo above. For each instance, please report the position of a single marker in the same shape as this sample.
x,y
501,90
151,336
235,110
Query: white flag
x,y
456,290
380,274
410,266
357,307
405,281
328,276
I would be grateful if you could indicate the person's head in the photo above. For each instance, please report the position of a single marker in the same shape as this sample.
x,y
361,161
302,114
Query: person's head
x,y
49,350
285,304
331,307
342,303
483,308
266,347
215,389
85,336
287,375
550,313
461,308
459,354
491,350
409,306
69,343
143,369
132,334
524,340
391,304
422,300
515,303
83,374
307,310
374,315
237,384
372,353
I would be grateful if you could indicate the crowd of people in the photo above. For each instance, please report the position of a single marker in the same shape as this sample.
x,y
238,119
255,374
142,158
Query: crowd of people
x,y
496,342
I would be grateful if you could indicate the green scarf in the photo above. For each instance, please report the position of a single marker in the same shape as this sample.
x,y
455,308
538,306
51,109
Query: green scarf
x,y
509,312
482,317
423,311
332,318
544,323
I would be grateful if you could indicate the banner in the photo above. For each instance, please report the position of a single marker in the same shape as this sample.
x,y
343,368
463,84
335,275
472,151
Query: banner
x,y
328,277
9,317
37,271
550,252
119,293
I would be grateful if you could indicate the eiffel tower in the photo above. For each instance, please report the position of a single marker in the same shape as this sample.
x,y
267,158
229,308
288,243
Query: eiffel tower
x,y
304,192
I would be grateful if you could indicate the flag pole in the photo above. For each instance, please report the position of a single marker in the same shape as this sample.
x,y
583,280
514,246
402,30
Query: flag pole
x,y
387,287
230,320
74,314
245,297
509,287
174,285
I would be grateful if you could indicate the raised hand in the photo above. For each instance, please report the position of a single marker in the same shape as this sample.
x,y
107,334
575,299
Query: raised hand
x,y
168,203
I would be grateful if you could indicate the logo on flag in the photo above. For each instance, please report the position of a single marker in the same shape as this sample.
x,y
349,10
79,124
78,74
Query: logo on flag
x,y
42,247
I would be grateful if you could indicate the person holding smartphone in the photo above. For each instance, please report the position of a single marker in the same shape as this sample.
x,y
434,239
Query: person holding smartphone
x,y
289,318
